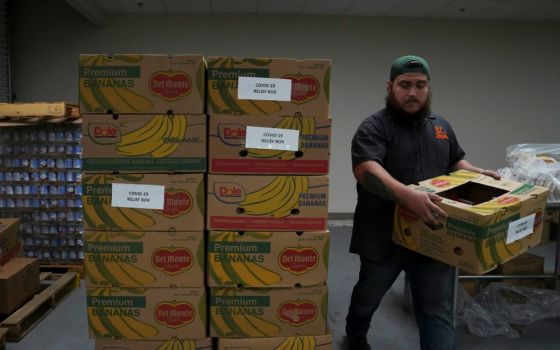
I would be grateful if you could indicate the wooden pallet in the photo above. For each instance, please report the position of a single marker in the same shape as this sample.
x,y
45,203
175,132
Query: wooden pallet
x,y
61,267
3,332
30,314
12,114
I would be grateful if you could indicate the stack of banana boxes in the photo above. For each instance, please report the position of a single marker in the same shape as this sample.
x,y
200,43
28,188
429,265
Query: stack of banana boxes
x,y
144,160
267,196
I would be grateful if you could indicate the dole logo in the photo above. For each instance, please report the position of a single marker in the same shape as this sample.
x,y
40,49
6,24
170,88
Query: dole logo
x,y
172,260
170,85
104,134
304,87
298,260
232,134
176,203
297,312
229,192
440,183
174,315
508,200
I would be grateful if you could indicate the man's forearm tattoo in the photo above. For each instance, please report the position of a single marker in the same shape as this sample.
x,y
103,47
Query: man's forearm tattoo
x,y
375,186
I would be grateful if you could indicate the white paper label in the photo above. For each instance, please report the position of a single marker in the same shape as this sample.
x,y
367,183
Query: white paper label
x,y
138,196
269,89
272,138
520,228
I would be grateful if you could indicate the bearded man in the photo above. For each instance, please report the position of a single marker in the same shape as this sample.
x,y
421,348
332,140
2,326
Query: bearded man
x,y
402,144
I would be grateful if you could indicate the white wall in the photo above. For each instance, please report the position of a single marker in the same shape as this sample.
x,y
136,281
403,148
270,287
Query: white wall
x,y
498,83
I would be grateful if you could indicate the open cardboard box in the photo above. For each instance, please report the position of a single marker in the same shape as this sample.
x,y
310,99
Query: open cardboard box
x,y
489,221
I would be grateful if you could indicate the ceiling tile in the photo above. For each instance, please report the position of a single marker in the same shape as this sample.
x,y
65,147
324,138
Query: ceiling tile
x,y
370,8
509,9
463,8
237,6
110,6
326,7
190,6
550,11
417,8
281,6
142,6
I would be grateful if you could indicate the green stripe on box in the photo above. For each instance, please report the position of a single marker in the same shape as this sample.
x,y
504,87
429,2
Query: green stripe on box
x,y
114,247
150,164
239,301
114,301
239,247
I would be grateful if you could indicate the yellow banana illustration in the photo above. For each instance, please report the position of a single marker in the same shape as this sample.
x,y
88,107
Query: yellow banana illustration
x,y
286,190
117,326
227,271
242,325
177,344
297,343
179,128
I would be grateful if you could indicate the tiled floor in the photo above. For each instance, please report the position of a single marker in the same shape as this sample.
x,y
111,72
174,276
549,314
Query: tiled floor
x,y
393,327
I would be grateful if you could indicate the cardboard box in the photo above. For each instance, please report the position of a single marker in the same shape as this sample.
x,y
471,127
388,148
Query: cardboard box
x,y
146,313
267,259
19,281
187,344
183,202
10,244
305,84
267,203
229,153
490,221
318,342
144,259
142,84
144,143
268,312
524,264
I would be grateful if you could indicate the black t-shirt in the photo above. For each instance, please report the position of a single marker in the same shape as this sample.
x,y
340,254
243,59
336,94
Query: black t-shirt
x,y
410,152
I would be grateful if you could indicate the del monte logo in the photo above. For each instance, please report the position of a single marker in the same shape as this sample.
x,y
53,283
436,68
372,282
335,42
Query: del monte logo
x,y
298,260
297,312
440,182
176,203
104,133
508,200
172,260
170,85
304,87
174,314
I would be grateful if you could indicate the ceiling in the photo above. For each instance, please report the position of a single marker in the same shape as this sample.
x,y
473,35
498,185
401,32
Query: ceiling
x,y
526,10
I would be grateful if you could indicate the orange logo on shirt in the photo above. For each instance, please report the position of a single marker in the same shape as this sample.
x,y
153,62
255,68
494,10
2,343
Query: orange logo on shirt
x,y
440,133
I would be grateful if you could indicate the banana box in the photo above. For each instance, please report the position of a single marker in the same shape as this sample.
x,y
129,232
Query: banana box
x,y
10,243
268,312
269,145
143,202
267,203
144,259
142,84
146,313
268,86
143,143
174,343
267,259
489,221
305,342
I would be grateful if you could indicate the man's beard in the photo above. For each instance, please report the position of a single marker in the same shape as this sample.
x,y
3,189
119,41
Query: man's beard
x,y
413,118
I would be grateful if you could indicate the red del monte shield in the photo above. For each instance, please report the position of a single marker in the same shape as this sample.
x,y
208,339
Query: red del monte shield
x,y
172,260
170,85
297,312
173,314
298,260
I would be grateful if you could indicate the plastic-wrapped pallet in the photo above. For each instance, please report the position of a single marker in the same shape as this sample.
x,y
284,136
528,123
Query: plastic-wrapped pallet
x,y
537,164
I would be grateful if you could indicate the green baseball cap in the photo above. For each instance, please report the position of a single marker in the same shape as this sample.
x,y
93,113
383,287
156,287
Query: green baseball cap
x,y
409,64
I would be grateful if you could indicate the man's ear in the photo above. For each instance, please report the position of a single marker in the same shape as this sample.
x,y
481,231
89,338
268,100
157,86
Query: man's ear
x,y
389,84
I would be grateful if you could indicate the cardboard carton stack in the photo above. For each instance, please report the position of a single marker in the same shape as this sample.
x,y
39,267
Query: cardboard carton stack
x,y
19,276
267,198
144,159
